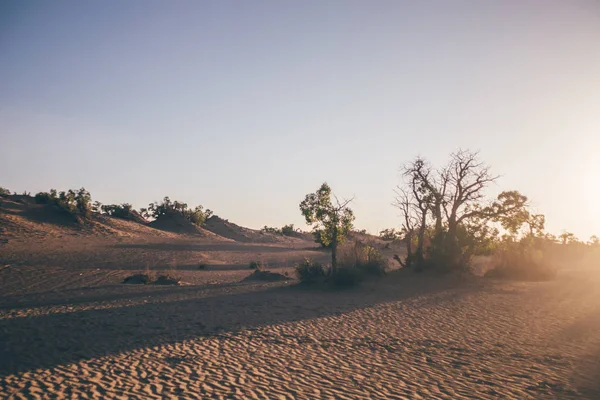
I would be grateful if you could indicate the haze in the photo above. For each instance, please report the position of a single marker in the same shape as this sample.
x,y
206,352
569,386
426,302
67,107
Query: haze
x,y
246,107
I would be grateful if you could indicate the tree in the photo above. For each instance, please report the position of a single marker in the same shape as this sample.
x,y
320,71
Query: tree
x,y
418,176
83,202
454,198
594,241
567,238
404,202
331,222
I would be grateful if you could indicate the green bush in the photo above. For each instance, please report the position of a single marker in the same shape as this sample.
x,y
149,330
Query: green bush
x,y
310,272
4,191
124,210
197,216
286,230
365,258
44,198
76,203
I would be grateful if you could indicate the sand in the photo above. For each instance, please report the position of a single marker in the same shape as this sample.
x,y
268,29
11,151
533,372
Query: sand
x,y
70,329
403,338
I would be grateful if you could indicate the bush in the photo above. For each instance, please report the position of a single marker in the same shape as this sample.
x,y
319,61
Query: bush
x,y
4,191
365,258
257,265
523,272
268,229
124,210
44,198
389,235
286,230
356,263
72,202
265,276
310,272
167,280
197,216
149,278
521,261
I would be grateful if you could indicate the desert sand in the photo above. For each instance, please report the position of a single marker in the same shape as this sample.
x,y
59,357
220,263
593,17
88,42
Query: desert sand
x,y
70,329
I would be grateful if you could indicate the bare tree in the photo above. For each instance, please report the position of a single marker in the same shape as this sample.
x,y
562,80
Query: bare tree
x,y
454,197
418,177
404,202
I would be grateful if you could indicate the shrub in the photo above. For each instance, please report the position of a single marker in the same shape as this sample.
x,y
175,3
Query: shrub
x,y
4,191
257,265
365,258
268,229
44,198
523,272
521,261
148,278
124,210
138,279
286,230
310,272
72,202
197,216
389,235
167,280
265,276
289,230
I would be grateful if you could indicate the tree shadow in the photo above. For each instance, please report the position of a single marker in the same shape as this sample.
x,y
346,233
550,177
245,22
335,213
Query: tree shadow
x,y
50,340
107,293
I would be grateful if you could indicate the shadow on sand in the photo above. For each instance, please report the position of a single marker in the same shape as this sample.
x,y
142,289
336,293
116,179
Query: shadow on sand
x,y
46,341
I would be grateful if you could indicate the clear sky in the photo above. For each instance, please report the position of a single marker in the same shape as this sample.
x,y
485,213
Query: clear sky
x,y
245,107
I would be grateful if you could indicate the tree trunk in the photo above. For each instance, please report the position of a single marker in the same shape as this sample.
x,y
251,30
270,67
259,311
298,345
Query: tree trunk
x,y
438,218
421,238
334,244
334,256
451,245
409,256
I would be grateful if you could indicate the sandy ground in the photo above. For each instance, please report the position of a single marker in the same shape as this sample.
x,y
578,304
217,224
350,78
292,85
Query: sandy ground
x,y
70,329
406,337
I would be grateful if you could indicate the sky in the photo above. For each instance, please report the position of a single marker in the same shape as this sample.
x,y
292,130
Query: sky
x,y
245,107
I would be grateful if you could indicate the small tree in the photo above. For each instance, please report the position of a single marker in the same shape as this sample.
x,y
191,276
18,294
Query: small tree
x,y
4,191
331,222
568,238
